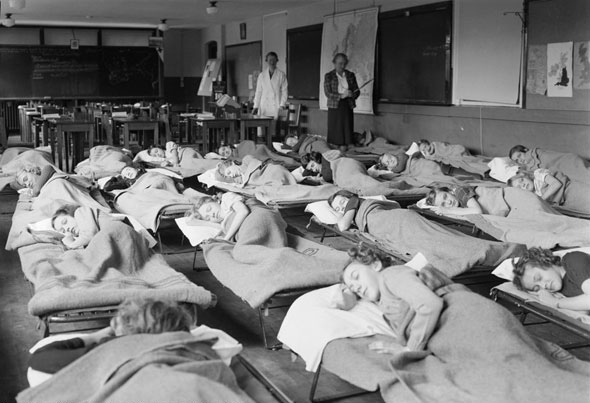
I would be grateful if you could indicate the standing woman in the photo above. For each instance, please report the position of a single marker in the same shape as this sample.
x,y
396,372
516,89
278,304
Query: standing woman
x,y
341,90
271,90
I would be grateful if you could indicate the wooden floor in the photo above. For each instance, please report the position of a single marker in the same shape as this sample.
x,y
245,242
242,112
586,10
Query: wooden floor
x,y
19,331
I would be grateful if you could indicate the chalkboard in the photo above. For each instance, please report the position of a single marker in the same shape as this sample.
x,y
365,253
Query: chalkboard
x,y
304,50
414,55
59,72
240,62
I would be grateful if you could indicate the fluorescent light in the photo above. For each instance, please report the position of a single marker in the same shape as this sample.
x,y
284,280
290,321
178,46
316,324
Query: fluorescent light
x,y
212,9
8,21
162,26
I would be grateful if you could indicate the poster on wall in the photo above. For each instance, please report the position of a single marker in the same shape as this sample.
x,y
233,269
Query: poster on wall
x,y
582,65
209,75
354,34
536,73
559,69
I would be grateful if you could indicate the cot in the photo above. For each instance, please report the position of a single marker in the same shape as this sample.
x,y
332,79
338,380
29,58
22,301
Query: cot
x,y
472,277
528,305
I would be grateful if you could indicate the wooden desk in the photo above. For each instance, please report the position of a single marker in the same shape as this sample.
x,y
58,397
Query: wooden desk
x,y
256,121
40,131
130,125
62,128
212,140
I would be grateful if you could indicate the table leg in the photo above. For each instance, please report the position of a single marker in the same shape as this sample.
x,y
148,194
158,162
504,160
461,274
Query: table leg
x,y
45,134
206,143
90,139
36,135
269,133
60,145
126,136
156,134
243,131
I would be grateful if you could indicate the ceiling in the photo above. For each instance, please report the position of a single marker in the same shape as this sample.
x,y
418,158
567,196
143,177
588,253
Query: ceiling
x,y
143,13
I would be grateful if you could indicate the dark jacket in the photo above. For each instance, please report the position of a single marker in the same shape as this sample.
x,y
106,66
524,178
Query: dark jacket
x,y
331,88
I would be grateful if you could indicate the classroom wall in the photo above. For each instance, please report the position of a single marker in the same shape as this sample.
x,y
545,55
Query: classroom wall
x,y
486,129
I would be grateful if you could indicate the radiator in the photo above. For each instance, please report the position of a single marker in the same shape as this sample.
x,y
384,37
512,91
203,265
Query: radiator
x,y
9,110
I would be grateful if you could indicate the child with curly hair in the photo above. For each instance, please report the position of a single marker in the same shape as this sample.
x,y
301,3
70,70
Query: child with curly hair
x,y
409,306
229,210
542,272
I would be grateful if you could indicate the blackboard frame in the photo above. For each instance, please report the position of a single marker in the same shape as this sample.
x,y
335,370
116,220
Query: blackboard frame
x,y
290,57
447,99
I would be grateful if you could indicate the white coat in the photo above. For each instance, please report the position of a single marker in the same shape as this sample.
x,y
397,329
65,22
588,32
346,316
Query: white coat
x,y
271,94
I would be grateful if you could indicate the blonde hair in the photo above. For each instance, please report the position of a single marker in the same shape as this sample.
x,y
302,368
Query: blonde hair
x,y
146,315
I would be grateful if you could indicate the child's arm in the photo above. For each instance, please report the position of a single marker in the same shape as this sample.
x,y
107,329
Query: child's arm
x,y
422,300
345,221
75,242
241,212
553,185
473,207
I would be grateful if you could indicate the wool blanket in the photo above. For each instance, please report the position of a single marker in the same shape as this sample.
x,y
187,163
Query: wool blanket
x,y
380,146
263,153
116,264
408,233
264,260
148,196
479,352
103,161
456,155
352,175
572,165
173,366
531,221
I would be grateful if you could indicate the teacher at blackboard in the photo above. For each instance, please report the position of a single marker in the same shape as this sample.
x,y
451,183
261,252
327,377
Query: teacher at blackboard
x,y
342,90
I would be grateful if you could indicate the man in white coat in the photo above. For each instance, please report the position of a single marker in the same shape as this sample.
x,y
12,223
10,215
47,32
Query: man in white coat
x,y
271,90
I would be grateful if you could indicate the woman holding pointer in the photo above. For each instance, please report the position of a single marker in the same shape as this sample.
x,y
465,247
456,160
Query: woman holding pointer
x,y
342,90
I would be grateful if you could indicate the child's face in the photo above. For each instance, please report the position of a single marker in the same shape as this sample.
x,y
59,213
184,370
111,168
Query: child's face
x,y
129,173
339,204
66,224
232,171
445,199
314,167
522,158
211,211
536,278
363,280
426,148
389,161
26,179
291,141
157,152
225,151
524,183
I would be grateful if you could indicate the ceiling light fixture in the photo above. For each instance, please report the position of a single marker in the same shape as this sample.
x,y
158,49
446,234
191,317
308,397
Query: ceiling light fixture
x,y
17,4
162,26
212,9
8,21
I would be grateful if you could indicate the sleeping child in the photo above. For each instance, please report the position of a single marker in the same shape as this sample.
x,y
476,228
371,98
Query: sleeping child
x,y
454,200
554,188
409,306
542,272
125,179
230,211
388,164
252,171
573,166
316,170
406,232
79,224
454,155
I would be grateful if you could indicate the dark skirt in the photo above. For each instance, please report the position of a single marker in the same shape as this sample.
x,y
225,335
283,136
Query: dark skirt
x,y
340,124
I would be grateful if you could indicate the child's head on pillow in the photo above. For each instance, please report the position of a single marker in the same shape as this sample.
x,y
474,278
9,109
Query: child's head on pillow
x,y
207,209
312,163
538,270
340,201
290,140
393,163
155,151
63,220
522,180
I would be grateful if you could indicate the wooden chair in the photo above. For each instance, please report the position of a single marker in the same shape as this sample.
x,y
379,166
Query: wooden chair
x,y
3,133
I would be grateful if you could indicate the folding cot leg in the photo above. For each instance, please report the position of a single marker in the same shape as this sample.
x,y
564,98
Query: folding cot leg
x,y
323,235
314,385
261,312
160,242
195,257
523,316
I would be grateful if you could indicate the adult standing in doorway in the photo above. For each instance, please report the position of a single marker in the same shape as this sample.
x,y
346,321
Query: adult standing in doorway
x,y
271,90
342,90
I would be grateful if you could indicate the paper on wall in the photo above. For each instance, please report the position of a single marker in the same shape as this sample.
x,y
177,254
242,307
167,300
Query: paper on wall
x,y
536,81
582,65
559,69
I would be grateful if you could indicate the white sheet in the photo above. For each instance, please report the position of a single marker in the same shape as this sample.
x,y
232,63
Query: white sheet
x,y
310,324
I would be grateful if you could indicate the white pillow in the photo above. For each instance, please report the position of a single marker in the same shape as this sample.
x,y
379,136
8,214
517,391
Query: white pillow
x,y
323,212
502,168
413,149
198,231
